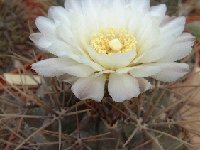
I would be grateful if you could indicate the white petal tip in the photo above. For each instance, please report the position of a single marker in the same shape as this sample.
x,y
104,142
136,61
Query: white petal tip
x,y
89,88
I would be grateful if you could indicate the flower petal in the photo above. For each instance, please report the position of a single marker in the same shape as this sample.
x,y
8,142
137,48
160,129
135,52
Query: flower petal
x,y
89,88
143,84
147,35
49,39
54,46
161,71
40,41
169,32
172,29
73,5
112,61
158,11
59,66
45,26
65,34
145,70
172,72
180,49
141,5
91,63
59,14
123,87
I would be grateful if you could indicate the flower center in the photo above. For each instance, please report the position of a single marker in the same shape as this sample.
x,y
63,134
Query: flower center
x,y
113,40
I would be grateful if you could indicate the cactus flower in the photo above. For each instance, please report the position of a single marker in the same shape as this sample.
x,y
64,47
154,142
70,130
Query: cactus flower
x,y
119,42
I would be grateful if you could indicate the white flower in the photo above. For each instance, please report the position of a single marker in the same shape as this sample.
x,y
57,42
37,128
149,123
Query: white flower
x,y
116,41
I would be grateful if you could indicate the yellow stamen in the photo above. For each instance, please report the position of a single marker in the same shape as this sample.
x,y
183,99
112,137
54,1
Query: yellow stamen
x,y
113,40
